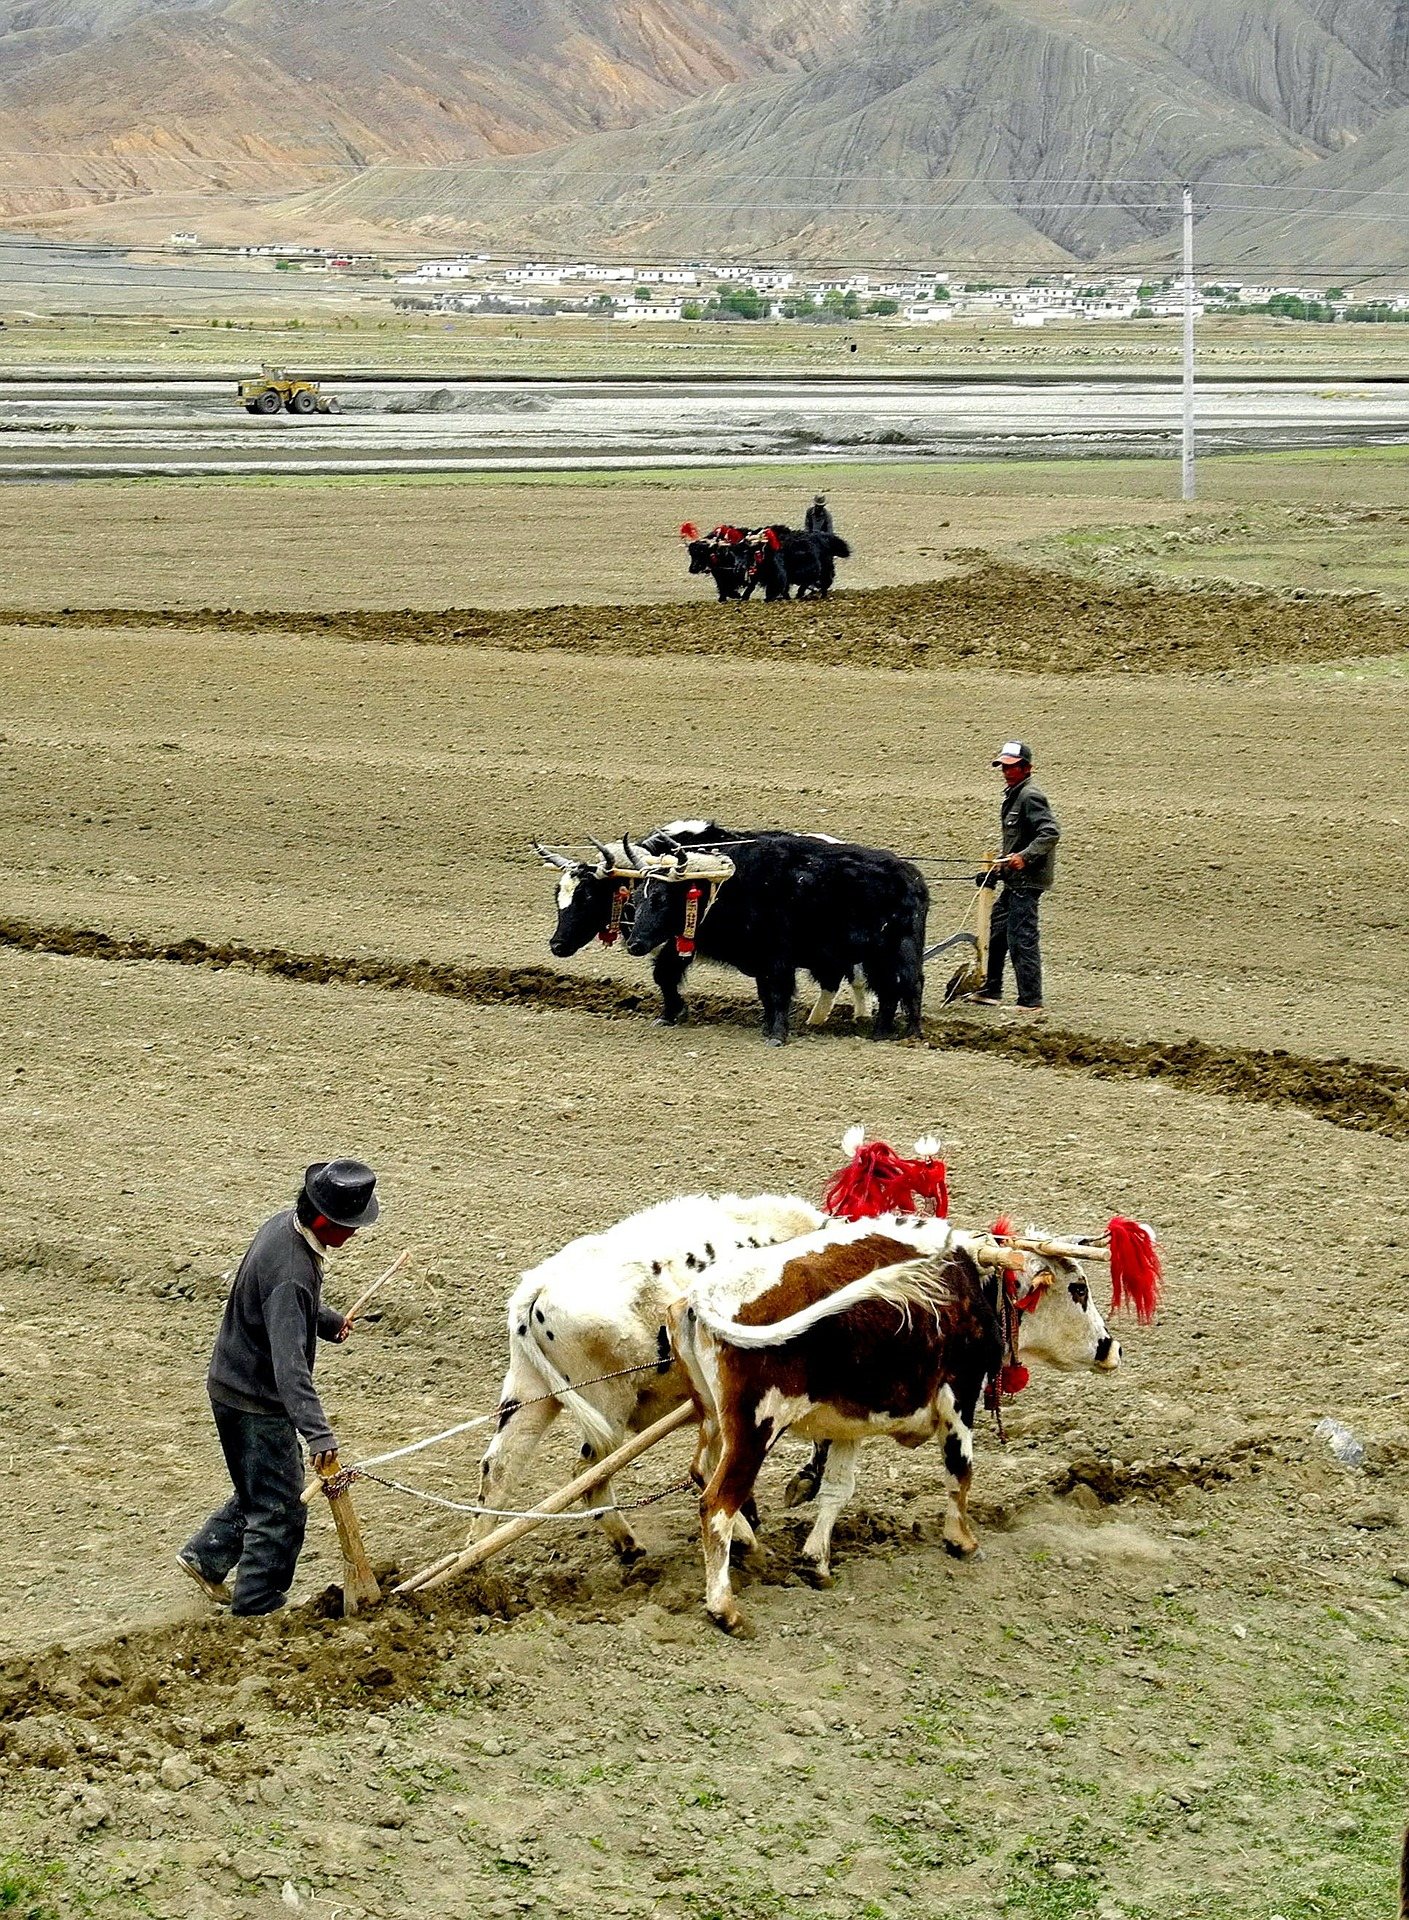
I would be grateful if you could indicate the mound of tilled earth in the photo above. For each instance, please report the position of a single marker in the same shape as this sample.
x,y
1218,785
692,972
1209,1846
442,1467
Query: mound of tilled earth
x,y
52,1703
996,616
1367,1096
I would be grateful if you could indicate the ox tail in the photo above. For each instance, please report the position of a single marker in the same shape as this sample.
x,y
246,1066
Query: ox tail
x,y
524,1346
839,546
911,1285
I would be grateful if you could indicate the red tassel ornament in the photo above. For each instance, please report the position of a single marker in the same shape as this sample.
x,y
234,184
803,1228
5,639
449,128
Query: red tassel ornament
x,y
1136,1270
689,531
685,940
876,1179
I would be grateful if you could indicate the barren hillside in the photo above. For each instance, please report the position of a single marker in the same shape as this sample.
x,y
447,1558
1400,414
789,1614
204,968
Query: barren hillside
x,y
1009,131
134,96
992,129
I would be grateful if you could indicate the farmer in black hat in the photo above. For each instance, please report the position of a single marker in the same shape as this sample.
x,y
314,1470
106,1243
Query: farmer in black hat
x,y
818,518
1030,836
262,1393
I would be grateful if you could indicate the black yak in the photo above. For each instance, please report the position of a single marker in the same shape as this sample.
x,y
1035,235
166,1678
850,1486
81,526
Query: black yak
x,y
794,901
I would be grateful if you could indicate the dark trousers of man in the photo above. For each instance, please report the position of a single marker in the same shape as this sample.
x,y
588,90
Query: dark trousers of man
x,y
1013,933
260,1529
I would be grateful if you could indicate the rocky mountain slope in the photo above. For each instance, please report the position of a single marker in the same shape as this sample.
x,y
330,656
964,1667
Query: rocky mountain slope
x,y
1009,131
100,98
1003,130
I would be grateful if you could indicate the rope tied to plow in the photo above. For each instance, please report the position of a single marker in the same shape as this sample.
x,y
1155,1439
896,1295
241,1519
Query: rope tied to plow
x,y
683,1485
503,1411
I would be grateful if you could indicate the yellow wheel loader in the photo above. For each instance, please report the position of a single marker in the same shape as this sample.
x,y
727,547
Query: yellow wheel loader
x,y
275,392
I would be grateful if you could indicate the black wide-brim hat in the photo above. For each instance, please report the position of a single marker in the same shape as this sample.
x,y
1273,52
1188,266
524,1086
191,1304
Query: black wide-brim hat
x,y
343,1191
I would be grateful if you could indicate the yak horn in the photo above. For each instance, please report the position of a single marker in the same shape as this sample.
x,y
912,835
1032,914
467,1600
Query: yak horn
x,y
608,857
633,858
552,859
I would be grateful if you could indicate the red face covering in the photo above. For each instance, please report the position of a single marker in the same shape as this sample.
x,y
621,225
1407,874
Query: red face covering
x,y
1014,775
330,1235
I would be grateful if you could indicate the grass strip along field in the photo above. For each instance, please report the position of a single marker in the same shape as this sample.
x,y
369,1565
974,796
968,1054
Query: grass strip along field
x,y
1365,1095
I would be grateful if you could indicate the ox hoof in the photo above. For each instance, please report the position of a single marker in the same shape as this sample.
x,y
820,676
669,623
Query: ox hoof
x,y
736,1625
801,1488
961,1549
816,1575
629,1552
668,1020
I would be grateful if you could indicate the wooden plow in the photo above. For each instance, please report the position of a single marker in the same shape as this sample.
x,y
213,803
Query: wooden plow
x,y
451,1565
970,977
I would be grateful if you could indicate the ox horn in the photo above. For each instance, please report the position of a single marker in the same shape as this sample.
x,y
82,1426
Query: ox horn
x,y
551,859
633,858
608,857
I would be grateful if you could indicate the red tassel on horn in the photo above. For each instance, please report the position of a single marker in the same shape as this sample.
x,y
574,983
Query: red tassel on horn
x,y
1003,1226
689,531
1136,1271
874,1180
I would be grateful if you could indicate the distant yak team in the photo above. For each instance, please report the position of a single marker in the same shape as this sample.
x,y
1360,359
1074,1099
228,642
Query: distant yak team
x,y
777,558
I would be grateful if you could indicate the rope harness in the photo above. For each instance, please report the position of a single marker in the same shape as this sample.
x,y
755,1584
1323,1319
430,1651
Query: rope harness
x,y
702,890
343,1479
611,932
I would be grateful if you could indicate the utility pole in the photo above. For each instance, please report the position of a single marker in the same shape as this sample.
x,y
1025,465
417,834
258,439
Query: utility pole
x,y
1188,445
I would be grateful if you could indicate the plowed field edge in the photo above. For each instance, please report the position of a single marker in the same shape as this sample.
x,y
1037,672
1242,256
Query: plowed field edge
x,y
995,615
1365,1096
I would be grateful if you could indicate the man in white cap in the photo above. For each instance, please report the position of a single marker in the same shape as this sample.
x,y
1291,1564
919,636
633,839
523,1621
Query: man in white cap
x,y
262,1393
1030,836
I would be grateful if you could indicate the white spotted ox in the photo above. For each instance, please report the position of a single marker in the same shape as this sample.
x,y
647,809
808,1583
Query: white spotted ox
x,y
890,1326
598,1306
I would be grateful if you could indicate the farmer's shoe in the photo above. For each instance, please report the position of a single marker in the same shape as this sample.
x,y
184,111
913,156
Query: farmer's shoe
x,y
1034,1007
985,999
215,1590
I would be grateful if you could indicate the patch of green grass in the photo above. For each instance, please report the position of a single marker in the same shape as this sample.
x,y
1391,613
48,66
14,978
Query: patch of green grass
x,y
702,1794
27,1889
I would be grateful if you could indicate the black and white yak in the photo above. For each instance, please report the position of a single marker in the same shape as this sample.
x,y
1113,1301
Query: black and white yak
x,y
793,901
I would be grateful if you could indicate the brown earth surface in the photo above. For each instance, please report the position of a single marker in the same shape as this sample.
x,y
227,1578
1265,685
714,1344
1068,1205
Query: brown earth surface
x,y
535,542
1171,1689
377,801
1183,1632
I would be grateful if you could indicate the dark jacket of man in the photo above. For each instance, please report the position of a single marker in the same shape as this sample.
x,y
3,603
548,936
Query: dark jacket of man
x,y
263,1359
1030,828
818,519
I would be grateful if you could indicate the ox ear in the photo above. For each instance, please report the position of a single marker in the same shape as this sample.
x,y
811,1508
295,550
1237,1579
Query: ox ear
x,y
552,859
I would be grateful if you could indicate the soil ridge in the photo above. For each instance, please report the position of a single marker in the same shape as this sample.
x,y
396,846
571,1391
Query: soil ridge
x,y
1363,1096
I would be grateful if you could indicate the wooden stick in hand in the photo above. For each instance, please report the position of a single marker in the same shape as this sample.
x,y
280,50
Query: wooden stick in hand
x,y
364,1298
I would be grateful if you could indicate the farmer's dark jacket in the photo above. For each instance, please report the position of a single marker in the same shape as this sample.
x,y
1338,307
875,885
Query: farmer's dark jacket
x,y
1030,828
263,1359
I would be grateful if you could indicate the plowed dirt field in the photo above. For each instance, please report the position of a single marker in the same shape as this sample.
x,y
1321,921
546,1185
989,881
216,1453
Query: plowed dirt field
x,y
265,893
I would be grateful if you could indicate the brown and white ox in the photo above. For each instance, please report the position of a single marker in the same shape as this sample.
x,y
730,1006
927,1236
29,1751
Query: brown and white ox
x,y
599,1306
890,1326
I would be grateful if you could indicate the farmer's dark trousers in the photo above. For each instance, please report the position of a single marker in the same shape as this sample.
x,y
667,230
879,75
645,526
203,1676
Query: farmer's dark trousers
x,y
1013,934
260,1530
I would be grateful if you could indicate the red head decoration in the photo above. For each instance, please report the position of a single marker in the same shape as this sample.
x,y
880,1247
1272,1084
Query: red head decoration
x,y
1136,1269
689,531
876,1179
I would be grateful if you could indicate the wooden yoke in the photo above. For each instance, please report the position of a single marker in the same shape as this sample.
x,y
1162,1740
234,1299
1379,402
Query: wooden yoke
x,y
359,1583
